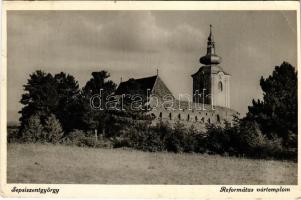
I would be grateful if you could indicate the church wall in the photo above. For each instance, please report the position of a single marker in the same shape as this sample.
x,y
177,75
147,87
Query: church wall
x,y
195,117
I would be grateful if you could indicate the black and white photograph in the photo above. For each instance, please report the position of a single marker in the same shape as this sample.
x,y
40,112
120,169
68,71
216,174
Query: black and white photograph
x,y
152,97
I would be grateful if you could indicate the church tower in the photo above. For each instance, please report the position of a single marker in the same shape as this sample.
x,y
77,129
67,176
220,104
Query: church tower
x,y
211,84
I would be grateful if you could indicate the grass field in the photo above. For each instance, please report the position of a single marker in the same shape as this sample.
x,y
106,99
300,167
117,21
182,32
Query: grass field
x,y
36,163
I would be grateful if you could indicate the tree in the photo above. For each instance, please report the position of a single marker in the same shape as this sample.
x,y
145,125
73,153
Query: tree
x,y
95,119
69,108
53,129
45,94
40,97
277,113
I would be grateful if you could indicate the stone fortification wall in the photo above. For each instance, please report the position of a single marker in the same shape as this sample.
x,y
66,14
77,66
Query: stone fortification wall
x,y
195,114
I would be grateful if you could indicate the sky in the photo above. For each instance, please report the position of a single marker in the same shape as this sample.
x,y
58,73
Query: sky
x,y
134,44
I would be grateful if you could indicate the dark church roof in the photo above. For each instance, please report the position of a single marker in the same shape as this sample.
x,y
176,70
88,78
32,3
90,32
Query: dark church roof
x,y
143,83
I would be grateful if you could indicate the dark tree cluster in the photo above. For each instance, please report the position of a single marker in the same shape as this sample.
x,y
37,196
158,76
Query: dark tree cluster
x,y
276,114
57,101
51,101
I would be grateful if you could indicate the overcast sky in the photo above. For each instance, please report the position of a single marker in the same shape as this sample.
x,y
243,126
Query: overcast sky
x,y
136,43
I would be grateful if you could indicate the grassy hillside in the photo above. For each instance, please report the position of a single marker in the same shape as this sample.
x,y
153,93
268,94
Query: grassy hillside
x,y
36,163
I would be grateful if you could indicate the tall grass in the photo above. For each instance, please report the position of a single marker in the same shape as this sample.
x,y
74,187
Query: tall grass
x,y
37,163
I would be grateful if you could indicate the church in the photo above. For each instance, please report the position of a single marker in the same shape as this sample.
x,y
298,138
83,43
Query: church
x,y
211,94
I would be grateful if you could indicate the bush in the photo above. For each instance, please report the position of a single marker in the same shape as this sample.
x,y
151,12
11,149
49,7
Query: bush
x,y
53,129
254,144
13,134
161,138
74,138
217,141
88,142
174,140
121,142
189,141
33,130
82,139
200,143
145,138
246,139
272,148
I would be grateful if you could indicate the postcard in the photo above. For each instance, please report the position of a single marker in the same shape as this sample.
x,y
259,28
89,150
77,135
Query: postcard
x,y
141,99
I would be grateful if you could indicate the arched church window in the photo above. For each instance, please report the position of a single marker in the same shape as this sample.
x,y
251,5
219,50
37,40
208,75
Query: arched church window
x,y
196,118
220,86
170,116
160,115
188,117
218,118
209,120
179,116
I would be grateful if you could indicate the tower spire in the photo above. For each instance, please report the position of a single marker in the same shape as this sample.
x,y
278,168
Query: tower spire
x,y
210,43
210,58
210,35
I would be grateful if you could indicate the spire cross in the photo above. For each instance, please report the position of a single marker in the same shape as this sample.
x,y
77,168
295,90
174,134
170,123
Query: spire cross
x,y
157,72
